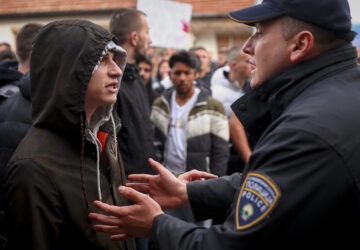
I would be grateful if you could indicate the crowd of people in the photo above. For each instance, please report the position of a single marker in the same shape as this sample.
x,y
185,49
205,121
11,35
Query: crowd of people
x,y
104,145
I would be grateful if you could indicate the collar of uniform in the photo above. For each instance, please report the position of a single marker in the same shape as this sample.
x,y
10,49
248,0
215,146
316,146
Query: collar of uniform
x,y
263,104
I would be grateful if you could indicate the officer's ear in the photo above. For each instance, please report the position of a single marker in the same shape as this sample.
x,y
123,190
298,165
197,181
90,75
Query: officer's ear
x,y
302,46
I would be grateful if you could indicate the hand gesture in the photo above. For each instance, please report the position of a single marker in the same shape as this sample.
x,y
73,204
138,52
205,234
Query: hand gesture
x,y
164,188
127,221
195,175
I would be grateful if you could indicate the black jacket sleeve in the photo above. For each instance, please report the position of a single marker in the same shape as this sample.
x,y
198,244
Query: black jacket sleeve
x,y
212,198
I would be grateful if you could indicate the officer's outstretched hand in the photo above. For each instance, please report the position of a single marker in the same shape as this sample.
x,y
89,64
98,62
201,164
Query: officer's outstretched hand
x,y
195,175
165,188
127,221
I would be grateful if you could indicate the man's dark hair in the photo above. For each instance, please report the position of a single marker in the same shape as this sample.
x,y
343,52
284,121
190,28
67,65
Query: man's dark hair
x,y
5,44
124,21
7,54
145,60
325,39
188,58
24,40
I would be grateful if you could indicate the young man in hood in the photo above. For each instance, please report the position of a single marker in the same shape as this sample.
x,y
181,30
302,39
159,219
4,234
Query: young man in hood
x,y
69,157
301,186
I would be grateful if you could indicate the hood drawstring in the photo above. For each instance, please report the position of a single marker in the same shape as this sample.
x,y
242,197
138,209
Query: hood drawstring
x,y
98,149
82,131
115,139
94,138
121,61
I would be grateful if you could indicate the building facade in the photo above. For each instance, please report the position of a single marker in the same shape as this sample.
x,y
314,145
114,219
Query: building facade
x,y
210,26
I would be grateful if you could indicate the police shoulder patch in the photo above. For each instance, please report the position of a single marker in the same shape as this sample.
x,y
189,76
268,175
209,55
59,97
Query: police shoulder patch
x,y
257,197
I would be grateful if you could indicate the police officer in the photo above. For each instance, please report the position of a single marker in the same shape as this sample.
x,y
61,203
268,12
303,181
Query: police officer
x,y
301,186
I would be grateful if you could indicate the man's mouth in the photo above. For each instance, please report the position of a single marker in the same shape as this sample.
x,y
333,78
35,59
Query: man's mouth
x,y
112,87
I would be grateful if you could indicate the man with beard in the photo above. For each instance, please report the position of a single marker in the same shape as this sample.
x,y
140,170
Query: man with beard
x,y
136,136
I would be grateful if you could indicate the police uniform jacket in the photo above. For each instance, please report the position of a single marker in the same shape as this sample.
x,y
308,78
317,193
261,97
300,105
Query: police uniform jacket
x,y
301,187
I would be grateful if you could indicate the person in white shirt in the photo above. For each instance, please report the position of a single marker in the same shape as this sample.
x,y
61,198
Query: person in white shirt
x,y
227,85
191,126
228,82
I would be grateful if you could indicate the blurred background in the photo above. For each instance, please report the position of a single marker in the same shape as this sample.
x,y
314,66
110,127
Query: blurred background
x,y
176,24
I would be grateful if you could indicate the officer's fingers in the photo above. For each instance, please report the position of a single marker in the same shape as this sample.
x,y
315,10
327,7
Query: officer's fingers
x,y
198,175
194,175
159,168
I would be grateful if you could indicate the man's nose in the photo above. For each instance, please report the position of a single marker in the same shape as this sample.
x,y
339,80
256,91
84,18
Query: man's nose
x,y
116,71
248,46
182,76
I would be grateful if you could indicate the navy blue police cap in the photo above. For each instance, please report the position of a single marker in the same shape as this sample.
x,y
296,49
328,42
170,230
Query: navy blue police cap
x,y
333,15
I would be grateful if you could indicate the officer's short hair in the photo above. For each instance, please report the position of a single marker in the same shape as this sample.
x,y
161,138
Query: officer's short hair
x,y
124,21
325,39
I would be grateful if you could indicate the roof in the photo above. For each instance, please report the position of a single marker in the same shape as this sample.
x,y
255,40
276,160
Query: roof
x,y
21,7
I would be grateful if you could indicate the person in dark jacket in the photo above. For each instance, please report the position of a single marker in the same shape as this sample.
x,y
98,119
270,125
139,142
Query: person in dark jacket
x,y
15,121
15,107
15,111
145,68
69,157
9,79
11,71
136,135
7,54
207,69
301,186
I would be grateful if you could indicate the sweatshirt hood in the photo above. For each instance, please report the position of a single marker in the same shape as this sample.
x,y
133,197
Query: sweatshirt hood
x,y
64,56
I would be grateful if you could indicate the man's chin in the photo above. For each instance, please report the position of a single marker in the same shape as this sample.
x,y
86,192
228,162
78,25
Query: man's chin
x,y
254,83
